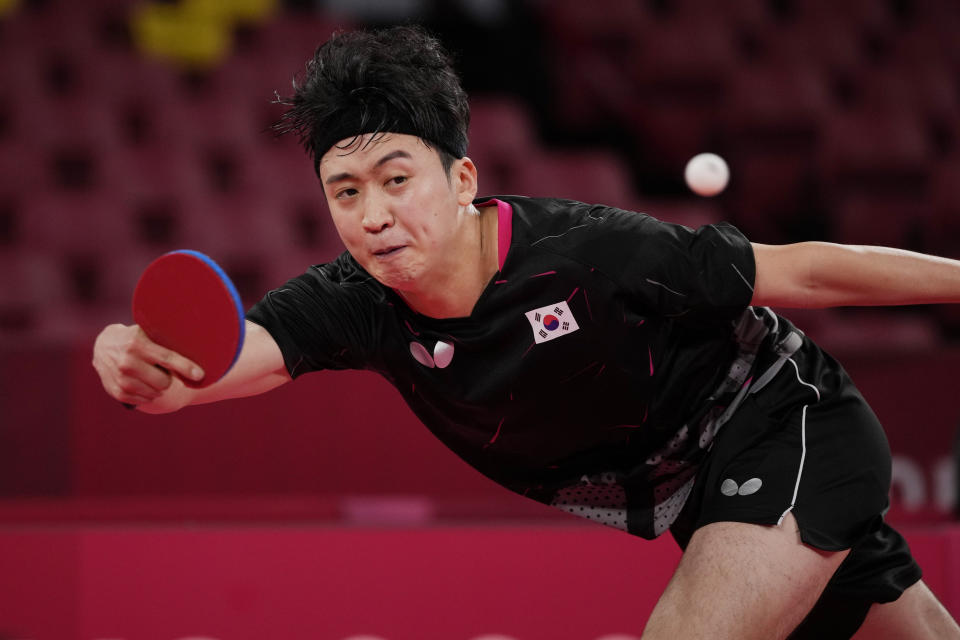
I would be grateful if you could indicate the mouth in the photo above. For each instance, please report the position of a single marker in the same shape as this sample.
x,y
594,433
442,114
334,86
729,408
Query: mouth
x,y
386,252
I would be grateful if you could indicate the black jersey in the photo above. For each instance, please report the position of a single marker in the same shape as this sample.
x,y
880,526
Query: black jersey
x,y
593,371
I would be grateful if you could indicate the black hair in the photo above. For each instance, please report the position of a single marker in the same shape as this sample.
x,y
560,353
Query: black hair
x,y
394,80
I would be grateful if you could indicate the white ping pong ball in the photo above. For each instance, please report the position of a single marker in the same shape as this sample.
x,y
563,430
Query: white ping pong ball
x,y
706,174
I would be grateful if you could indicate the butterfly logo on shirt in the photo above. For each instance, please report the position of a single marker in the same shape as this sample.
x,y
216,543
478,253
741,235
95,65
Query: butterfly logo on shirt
x,y
442,354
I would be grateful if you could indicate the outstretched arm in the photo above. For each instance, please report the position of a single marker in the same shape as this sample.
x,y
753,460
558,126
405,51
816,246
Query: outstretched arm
x,y
823,274
136,370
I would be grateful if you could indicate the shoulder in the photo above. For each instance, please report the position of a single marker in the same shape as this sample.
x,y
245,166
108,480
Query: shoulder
x,y
342,274
608,237
336,287
576,228
539,211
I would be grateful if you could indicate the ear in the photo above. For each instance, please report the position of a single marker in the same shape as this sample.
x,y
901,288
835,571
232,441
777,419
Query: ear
x,y
464,180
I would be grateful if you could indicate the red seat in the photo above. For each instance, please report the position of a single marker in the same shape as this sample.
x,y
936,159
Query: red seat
x,y
502,134
588,176
284,43
145,97
930,33
56,26
241,78
75,120
588,52
283,166
885,150
23,167
31,286
663,59
772,130
575,25
926,87
727,16
119,280
82,223
675,92
215,120
228,223
592,91
878,220
941,230
20,92
168,168
878,331
838,42
866,14
776,105
773,194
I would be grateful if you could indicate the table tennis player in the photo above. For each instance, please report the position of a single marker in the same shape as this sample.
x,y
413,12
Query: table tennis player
x,y
598,360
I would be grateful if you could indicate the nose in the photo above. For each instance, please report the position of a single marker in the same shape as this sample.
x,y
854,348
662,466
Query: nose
x,y
377,217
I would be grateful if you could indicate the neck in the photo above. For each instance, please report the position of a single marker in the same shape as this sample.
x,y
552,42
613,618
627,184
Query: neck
x,y
454,293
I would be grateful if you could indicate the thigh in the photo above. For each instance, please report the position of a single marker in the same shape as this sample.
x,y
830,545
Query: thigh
x,y
742,581
916,614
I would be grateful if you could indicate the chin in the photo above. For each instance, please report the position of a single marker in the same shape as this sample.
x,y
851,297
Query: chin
x,y
400,274
393,279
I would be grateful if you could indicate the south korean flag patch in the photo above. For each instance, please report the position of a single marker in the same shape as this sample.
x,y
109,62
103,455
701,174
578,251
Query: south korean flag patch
x,y
551,321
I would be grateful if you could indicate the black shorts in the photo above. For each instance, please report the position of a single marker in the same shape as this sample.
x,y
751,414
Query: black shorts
x,y
808,444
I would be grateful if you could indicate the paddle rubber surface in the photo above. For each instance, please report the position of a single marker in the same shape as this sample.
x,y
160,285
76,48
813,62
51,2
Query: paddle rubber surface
x,y
185,302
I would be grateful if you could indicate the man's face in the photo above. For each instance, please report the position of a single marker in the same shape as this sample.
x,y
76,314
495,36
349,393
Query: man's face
x,y
394,206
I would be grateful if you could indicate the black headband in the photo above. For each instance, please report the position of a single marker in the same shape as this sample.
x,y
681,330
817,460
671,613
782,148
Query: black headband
x,y
371,112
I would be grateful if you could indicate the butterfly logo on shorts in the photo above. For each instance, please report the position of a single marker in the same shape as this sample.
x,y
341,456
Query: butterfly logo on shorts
x,y
750,487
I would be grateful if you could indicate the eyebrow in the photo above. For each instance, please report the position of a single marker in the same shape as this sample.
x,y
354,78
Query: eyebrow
x,y
393,155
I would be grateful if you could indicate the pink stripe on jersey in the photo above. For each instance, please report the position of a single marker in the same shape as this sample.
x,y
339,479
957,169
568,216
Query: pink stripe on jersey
x,y
504,228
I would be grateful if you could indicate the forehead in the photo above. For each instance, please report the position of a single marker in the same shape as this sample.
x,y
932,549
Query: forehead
x,y
363,152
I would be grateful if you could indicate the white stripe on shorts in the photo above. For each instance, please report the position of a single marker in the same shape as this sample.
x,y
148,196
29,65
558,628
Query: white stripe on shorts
x,y
803,441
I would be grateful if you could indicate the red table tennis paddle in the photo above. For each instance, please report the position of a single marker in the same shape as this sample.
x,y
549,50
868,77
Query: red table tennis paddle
x,y
185,302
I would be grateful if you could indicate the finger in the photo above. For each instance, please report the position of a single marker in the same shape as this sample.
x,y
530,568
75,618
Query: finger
x,y
141,376
169,360
125,386
132,402
131,397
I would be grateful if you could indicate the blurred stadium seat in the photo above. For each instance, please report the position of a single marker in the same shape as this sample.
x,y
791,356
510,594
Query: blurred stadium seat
x,y
502,133
878,219
281,46
168,167
589,176
778,106
574,26
941,228
839,122
875,149
31,287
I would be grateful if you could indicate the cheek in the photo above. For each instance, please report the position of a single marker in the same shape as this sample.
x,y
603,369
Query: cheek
x,y
436,214
348,233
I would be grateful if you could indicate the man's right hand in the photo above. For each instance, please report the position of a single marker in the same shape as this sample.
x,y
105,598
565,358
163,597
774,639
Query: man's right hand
x,y
135,370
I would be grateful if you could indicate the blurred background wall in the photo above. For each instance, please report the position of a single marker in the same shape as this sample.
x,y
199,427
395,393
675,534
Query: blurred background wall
x,y
129,128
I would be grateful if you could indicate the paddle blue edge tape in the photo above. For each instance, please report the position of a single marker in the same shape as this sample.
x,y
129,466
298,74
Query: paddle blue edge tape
x,y
225,279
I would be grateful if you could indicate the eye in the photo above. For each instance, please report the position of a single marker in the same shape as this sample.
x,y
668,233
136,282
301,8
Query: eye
x,y
399,179
349,192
